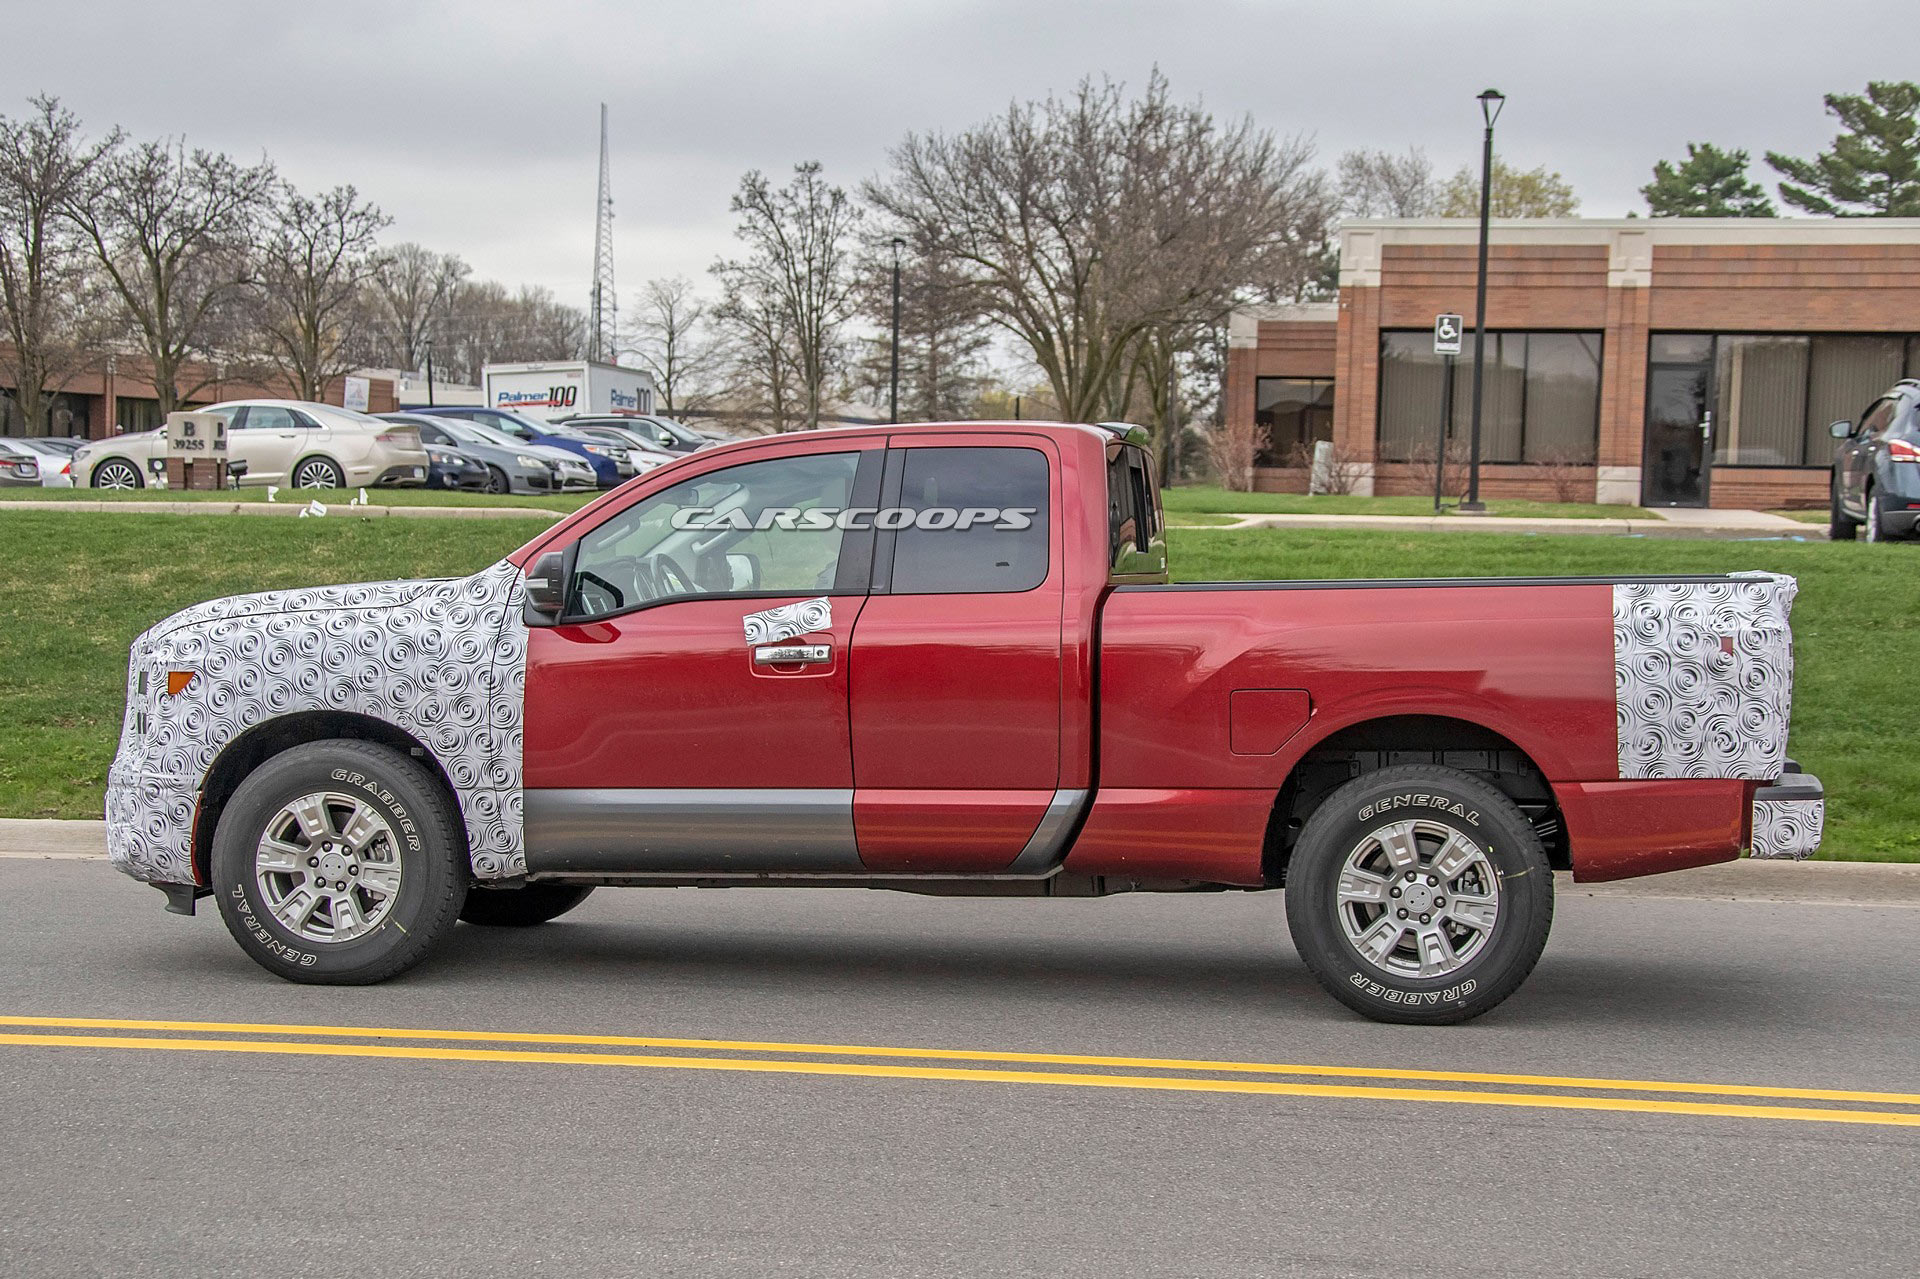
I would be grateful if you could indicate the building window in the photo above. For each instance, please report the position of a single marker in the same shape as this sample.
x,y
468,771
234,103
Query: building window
x,y
131,413
1775,394
1290,415
1540,398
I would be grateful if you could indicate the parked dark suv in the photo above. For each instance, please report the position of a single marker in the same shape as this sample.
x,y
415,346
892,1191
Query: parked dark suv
x,y
1876,468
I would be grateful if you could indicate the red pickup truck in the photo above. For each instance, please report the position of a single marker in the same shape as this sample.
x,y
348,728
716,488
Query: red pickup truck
x,y
948,659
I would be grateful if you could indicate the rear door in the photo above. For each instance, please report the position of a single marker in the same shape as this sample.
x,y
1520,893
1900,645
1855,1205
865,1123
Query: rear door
x,y
957,660
268,439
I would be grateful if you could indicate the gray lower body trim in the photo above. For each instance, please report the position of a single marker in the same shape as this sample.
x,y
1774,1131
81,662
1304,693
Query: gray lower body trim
x,y
719,831
1047,847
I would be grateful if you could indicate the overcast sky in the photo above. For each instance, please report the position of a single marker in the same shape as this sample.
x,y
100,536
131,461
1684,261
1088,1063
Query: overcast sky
x,y
474,124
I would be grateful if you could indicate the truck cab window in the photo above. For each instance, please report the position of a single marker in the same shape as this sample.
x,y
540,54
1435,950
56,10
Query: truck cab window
x,y
980,522
763,528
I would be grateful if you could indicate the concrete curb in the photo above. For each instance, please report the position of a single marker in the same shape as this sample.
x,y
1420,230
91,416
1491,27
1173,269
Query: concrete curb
x,y
334,511
1510,524
1850,883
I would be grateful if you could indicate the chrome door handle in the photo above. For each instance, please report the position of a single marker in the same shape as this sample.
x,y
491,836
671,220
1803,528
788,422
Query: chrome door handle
x,y
792,654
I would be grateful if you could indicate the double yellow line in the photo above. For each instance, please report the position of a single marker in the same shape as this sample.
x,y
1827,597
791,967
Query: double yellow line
x,y
1183,1074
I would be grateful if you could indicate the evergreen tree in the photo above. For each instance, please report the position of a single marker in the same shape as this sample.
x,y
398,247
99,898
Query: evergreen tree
x,y
1709,183
1873,167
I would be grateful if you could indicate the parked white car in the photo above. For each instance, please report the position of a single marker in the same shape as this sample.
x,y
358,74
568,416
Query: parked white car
x,y
288,442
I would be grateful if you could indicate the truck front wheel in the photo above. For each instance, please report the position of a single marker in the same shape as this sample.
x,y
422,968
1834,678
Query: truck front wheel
x,y
1419,894
339,863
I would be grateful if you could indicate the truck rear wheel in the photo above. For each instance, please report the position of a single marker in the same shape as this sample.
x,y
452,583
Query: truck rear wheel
x,y
339,863
524,906
1419,895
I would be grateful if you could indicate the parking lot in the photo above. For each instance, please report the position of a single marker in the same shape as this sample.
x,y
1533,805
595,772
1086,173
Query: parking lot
x,y
786,1081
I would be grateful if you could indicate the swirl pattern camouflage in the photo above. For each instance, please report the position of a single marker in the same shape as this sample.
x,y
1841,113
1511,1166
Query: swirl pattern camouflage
x,y
1703,677
444,661
789,621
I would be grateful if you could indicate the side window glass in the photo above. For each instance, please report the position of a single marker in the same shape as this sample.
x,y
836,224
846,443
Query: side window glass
x,y
1123,508
980,521
767,527
268,418
1876,419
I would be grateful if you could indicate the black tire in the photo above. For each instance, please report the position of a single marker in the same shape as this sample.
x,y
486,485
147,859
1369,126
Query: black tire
x,y
317,473
1839,527
522,907
114,468
1438,798
427,839
497,481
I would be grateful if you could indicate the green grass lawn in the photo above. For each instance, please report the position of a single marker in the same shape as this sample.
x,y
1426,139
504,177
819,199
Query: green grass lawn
x,y
75,590
1805,516
299,497
1208,498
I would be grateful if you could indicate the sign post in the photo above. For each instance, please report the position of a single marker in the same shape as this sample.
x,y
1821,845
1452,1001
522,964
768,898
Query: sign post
x,y
196,451
1446,344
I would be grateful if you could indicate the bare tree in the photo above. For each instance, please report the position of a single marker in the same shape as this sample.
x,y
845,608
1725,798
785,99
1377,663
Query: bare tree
x,y
410,288
760,352
671,341
482,323
172,230
44,166
1086,222
944,334
1380,184
796,270
309,300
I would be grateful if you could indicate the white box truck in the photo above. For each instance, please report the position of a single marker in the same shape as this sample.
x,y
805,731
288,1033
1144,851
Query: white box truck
x,y
567,388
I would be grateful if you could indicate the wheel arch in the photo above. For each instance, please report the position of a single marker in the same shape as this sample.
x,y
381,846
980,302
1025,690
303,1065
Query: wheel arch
x,y
1342,752
339,467
263,741
140,476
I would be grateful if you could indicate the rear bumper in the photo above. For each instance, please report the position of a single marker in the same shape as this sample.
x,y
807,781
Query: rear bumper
x,y
1788,817
1619,830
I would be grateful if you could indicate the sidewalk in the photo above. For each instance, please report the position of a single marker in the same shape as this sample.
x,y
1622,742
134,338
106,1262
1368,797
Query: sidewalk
x,y
335,510
1667,523
1853,883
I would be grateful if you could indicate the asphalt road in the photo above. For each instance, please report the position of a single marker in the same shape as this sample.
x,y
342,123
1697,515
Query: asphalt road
x,y
252,1151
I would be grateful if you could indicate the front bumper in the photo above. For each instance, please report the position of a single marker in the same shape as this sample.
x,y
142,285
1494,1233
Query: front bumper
x,y
150,820
1788,817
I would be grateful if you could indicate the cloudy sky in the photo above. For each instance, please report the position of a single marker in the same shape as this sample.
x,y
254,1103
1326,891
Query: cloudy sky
x,y
474,124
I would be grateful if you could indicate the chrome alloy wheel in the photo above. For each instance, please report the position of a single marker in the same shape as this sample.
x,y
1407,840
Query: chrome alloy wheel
x,y
117,475
317,473
328,867
1418,898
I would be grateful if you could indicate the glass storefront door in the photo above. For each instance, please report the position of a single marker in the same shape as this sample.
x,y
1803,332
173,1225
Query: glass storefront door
x,y
1676,464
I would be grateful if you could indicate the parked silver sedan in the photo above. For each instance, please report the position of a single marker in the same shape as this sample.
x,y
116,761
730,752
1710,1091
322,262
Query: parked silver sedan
x,y
55,455
18,467
514,465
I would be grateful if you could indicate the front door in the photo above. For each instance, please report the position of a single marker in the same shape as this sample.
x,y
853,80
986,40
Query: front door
x,y
689,715
1678,457
957,664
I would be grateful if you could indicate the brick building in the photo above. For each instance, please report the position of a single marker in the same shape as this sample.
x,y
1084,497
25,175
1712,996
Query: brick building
x,y
117,395
1679,362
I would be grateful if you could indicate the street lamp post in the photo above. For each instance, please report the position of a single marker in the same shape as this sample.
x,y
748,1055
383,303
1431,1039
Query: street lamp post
x,y
1491,100
429,346
893,395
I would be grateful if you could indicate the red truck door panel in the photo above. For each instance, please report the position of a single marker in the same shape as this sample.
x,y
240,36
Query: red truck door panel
x,y
705,730
956,667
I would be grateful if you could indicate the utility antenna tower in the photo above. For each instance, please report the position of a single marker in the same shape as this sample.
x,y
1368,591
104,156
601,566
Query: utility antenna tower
x,y
603,316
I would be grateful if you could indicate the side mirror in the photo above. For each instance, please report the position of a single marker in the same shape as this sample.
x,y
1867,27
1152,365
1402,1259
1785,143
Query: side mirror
x,y
1840,430
546,586
743,572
